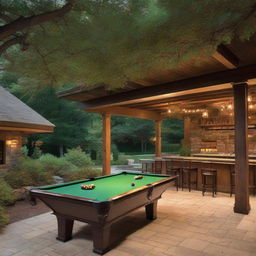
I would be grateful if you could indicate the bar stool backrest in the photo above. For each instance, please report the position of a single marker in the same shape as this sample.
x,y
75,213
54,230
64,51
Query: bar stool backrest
x,y
147,166
158,166
169,165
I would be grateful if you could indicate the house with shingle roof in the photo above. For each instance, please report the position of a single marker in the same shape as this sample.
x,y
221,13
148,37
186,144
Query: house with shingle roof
x,y
17,120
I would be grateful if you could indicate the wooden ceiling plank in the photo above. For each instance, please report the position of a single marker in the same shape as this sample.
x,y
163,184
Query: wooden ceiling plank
x,y
123,111
207,95
187,104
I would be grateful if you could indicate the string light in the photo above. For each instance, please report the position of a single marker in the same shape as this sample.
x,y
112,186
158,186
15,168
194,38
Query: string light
x,y
205,114
230,106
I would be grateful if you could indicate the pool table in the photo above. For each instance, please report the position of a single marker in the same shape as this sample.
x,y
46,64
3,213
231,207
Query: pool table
x,y
113,197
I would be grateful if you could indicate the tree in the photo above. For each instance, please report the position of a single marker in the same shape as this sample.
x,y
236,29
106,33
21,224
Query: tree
x,y
172,130
71,123
94,138
172,134
18,16
111,42
129,131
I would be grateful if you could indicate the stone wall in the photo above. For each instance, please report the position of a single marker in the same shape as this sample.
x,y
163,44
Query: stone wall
x,y
219,140
11,151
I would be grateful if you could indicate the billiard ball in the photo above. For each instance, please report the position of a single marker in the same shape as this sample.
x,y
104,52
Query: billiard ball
x,y
88,186
133,184
138,177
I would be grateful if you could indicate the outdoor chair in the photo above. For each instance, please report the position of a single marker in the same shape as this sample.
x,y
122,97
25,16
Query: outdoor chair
x,y
173,171
189,176
209,181
158,166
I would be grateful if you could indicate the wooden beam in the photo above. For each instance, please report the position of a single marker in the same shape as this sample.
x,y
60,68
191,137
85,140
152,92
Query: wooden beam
x,y
29,127
241,149
24,130
226,57
106,150
198,98
148,93
188,97
158,143
122,111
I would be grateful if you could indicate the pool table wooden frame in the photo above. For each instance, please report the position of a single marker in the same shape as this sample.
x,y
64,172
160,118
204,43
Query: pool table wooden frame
x,y
101,214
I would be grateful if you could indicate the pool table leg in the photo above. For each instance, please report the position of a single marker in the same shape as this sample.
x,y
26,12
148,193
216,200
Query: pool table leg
x,y
101,239
151,210
65,227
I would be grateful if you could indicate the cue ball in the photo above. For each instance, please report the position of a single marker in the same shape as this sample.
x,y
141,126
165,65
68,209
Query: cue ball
x,y
133,184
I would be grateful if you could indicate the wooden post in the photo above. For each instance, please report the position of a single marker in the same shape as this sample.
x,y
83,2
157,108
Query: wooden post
x,y
241,148
187,124
106,150
158,144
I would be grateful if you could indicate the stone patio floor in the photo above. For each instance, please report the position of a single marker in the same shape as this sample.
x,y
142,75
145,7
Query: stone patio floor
x,y
187,224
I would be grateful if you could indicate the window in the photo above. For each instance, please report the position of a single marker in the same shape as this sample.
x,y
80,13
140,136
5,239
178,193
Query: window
x,y
2,145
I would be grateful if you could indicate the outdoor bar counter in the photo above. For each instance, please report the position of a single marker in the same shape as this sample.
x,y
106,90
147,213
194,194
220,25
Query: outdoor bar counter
x,y
223,165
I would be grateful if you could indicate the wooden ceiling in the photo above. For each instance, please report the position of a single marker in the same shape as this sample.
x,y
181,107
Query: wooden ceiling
x,y
201,81
186,100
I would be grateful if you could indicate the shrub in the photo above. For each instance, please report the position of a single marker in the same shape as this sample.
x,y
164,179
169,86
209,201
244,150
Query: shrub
x,y
24,151
122,160
28,172
3,218
37,153
7,196
55,165
185,151
79,174
78,158
17,178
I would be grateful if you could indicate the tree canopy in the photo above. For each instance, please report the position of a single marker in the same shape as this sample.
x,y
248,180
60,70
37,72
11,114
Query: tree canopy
x,y
71,123
114,41
131,131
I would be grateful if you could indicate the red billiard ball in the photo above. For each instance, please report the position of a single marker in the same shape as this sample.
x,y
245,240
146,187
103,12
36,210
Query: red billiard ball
x,y
133,184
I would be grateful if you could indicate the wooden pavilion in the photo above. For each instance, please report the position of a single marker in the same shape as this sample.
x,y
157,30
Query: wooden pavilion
x,y
16,120
225,76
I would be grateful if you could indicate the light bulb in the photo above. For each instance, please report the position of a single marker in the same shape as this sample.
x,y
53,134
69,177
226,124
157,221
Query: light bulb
x,y
205,114
230,106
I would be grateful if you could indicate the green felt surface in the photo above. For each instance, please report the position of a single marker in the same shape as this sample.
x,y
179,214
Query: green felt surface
x,y
106,187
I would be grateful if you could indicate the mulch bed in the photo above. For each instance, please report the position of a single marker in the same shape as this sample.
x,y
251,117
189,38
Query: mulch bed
x,y
23,210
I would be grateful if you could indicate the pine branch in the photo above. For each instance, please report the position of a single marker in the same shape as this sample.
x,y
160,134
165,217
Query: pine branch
x,y
5,18
25,22
48,70
16,40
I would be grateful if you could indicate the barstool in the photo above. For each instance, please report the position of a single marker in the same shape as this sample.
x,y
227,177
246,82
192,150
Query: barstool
x,y
209,175
175,171
252,186
158,166
147,166
232,179
189,172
